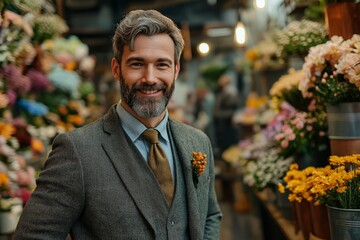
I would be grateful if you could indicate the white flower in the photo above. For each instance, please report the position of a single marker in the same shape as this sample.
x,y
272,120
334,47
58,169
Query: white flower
x,y
266,170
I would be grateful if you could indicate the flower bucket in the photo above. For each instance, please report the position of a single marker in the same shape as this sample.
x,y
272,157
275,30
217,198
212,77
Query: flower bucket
x,y
320,222
344,131
343,19
344,223
303,216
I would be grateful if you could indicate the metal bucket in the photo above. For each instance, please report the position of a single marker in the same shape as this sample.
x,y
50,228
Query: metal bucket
x,y
344,128
344,223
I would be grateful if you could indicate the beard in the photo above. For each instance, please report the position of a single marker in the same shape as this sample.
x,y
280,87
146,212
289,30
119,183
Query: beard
x,y
146,107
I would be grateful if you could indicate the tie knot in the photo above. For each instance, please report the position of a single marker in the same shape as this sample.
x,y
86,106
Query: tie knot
x,y
150,135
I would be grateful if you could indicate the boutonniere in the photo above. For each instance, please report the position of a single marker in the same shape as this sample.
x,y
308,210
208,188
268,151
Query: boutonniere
x,y
198,163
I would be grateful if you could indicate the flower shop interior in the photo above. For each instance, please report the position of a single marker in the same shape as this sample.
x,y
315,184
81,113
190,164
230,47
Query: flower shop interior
x,y
274,84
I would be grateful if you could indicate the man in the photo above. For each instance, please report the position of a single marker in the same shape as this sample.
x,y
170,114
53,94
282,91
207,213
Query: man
x,y
96,183
225,106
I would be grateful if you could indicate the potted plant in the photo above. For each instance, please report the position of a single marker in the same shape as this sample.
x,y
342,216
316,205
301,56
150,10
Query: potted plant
x,y
300,125
298,37
335,186
342,17
332,76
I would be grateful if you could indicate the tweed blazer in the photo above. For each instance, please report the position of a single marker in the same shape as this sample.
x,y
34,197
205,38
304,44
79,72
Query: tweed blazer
x,y
96,185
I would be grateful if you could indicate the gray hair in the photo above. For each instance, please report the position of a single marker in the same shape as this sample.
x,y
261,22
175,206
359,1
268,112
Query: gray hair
x,y
145,22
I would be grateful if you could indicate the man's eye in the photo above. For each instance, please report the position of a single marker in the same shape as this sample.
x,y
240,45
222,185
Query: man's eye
x,y
136,64
163,65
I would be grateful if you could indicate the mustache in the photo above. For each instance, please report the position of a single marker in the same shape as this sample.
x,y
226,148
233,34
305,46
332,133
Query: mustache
x,y
147,87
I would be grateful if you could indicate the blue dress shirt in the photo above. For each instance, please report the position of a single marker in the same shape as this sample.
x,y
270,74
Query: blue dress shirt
x,y
133,128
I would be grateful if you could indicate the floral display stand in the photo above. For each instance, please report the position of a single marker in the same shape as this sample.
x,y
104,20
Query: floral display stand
x,y
303,215
275,224
320,222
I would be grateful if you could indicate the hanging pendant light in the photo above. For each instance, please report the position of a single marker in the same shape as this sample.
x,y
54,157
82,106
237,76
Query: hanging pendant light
x,y
240,33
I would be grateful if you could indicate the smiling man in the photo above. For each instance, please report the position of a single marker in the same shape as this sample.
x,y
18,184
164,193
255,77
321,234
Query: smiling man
x,y
135,173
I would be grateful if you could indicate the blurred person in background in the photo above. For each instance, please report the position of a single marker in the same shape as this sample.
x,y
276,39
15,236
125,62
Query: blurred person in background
x,y
226,103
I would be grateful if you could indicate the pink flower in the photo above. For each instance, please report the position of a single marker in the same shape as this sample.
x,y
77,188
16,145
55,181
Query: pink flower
x,y
292,137
4,100
284,143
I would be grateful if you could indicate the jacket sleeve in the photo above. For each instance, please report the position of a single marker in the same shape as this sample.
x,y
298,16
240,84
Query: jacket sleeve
x,y
214,215
58,198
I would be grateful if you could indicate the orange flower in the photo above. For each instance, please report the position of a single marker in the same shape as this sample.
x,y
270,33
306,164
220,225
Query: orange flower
x,y
198,162
76,119
70,66
6,130
4,180
37,145
63,110
73,105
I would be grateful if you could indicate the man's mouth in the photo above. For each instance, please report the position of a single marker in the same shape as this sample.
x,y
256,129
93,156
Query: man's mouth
x,y
150,91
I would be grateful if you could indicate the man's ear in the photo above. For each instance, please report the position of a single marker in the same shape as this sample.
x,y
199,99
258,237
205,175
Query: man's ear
x,y
115,68
177,70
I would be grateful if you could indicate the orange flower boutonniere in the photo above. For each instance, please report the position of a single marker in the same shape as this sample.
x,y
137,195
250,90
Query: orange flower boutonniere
x,y
198,162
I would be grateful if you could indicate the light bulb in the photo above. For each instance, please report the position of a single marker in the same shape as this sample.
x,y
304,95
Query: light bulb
x,y
203,48
260,3
240,35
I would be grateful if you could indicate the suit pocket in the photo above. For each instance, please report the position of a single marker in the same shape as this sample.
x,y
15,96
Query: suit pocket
x,y
203,186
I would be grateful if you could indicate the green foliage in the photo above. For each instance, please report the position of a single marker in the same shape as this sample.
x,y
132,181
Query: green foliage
x,y
336,89
212,73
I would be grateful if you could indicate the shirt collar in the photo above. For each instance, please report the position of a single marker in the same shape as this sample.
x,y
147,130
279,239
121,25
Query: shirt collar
x,y
134,128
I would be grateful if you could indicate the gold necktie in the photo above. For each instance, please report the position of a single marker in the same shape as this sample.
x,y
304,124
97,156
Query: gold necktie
x,y
159,164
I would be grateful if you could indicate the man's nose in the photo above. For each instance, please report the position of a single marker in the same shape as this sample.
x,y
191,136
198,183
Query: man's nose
x,y
149,75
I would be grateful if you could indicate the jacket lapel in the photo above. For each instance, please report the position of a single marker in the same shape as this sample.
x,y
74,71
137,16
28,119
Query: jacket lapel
x,y
185,153
133,170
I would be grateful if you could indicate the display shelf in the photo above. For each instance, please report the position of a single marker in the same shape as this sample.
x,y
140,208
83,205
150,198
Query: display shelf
x,y
275,224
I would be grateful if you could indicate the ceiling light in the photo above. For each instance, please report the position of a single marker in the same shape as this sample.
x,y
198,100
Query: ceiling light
x,y
240,34
203,48
260,3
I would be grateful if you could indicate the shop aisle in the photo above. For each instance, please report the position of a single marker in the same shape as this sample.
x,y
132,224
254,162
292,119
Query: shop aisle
x,y
239,226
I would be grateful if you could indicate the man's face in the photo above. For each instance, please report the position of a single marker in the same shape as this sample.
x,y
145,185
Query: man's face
x,y
147,75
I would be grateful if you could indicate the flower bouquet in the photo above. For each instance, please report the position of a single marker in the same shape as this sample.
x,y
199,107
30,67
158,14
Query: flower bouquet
x,y
336,185
265,55
332,71
266,171
299,36
303,133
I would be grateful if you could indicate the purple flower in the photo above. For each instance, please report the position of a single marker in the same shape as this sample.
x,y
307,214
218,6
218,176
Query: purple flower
x,y
39,81
12,97
16,80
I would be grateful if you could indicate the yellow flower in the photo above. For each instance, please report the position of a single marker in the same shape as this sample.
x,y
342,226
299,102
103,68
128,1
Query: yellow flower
x,y
337,184
6,130
281,188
